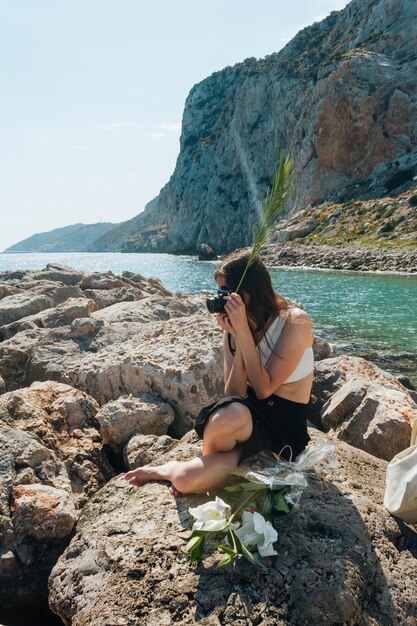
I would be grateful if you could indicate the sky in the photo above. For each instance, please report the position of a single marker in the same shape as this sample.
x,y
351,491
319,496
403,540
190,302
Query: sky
x,y
92,94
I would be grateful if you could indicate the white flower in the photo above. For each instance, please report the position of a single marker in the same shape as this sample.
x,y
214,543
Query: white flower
x,y
211,516
256,531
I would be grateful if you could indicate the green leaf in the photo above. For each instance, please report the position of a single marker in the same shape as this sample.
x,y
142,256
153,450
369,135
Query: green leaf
x,y
195,544
227,549
264,505
195,533
274,205
196,550
243,550
226,560
280,503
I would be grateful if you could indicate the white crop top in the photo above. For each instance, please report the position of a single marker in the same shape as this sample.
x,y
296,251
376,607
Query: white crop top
x,y
306,363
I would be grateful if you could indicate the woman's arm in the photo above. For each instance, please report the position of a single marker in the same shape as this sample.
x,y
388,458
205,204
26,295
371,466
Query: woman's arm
x,y
235,377
294,339
236,381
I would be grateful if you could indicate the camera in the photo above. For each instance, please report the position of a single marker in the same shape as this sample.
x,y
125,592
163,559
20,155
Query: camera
x,y
216,303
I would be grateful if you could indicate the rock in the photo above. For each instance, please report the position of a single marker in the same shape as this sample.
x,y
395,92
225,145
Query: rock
x,y
36,296
206,253
2,386
406,382
15,353
125,535
143,449
179,358
323,349
8,290
67,312
20,305
59,273
64,419
27,466
342,403
60,315
348,257
42,512
148,415
96,280
84,327
363,405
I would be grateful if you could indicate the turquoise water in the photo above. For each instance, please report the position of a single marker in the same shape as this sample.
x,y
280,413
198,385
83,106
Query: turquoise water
x,y
368,314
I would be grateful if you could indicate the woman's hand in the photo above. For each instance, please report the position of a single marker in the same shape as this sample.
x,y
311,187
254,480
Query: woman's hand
x,y
224,322
236,311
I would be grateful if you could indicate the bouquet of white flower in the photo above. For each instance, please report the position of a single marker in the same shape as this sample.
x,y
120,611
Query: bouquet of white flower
x,y
261,490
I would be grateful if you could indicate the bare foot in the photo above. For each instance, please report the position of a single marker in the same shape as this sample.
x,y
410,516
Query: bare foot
x,y
175,491
142,475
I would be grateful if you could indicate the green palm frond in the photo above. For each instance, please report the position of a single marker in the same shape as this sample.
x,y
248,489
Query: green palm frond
x,y
274,204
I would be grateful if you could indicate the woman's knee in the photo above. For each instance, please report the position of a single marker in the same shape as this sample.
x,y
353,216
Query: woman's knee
x,y
231,418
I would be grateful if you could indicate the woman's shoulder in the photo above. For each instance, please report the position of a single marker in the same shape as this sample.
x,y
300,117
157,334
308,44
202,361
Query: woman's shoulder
x,y
295,315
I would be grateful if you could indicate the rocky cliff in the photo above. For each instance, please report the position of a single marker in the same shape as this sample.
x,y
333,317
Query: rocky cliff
x,y
341,97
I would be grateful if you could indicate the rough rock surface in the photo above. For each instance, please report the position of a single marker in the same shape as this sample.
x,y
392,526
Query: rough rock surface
x,y
132,352
143,449
123,417
64,420
61,315
362,405
341,560
351,257
341,97
35,493
322,349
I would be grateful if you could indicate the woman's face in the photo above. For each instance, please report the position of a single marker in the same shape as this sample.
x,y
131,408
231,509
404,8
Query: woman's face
x,y
220,280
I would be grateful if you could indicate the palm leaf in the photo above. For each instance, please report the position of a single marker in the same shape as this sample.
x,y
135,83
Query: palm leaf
x,y
274,204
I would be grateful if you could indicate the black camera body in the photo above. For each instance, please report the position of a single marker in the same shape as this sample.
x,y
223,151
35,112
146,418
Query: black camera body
x,y
216,303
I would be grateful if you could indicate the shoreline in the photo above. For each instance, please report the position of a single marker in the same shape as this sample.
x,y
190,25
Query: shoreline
x,y
316,268
352,258
295,255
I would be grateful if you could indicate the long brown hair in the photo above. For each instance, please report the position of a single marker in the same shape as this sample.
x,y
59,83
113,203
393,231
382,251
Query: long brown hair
x,y
264,303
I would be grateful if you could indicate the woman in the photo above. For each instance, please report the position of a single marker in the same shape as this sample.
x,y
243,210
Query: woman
x,y
268,373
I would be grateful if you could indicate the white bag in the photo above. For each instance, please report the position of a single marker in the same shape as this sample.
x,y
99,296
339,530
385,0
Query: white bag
x,y
401,488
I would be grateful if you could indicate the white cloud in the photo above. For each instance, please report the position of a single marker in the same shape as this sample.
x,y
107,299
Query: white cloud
x,y
156,135
174,127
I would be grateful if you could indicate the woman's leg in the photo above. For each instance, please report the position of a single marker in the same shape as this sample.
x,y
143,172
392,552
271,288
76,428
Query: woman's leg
x,y
195,476
224,430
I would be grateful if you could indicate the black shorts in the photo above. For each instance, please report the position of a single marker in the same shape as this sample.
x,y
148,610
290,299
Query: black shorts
x,y
279,425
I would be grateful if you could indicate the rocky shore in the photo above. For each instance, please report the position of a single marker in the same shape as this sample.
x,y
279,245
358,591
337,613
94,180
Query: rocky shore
x,y
101,373
342,257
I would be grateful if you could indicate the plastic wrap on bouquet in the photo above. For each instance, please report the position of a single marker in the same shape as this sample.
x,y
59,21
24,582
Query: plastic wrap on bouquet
x,y
268,470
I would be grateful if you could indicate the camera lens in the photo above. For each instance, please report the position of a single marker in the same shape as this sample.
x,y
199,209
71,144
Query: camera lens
x,y
215,304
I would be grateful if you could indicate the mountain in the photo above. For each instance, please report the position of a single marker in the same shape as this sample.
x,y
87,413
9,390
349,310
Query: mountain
x,y
74,238
341,97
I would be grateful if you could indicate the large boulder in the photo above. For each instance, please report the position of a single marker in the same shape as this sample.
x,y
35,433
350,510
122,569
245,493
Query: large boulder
x,y
61,315
36,296
123,417
37,513
160,344
64,420
363,405
341,559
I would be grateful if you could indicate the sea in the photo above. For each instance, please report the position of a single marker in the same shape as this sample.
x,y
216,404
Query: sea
x,y
368,314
